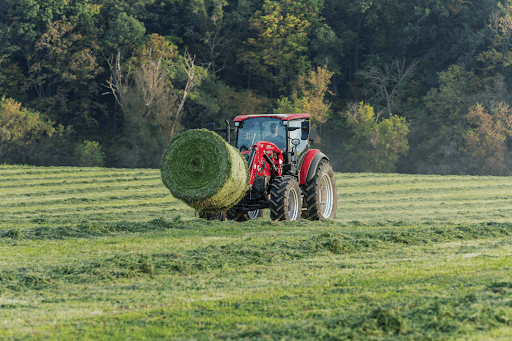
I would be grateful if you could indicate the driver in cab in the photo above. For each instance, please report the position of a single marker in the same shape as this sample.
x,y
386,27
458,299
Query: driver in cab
x,y
275,137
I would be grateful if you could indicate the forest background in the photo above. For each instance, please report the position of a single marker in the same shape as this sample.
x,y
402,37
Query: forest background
x,y
412,86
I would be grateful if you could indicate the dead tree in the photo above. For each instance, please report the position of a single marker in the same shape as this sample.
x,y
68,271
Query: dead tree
x,y
150,79
143,91
119,81
193,80
384,83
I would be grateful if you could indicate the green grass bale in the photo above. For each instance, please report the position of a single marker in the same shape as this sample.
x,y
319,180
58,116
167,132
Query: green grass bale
x,y
204,171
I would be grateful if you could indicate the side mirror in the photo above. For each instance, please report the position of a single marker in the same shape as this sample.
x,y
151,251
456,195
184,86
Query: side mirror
x,y
210,126
304,126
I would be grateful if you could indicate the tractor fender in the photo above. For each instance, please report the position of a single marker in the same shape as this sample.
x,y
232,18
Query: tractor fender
x,y
309,165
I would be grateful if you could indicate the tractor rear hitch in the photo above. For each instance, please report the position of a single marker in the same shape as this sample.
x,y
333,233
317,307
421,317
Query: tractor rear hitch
x,y
227,130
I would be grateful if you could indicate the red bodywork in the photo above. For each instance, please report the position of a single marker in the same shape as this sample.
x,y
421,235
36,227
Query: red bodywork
x,y
260,166
310,155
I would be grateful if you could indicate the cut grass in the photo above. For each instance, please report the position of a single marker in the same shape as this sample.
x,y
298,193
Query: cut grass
x,y
109,254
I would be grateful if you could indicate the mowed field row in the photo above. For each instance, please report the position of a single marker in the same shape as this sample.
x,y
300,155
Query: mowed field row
x,y
109,254
65,196
56,195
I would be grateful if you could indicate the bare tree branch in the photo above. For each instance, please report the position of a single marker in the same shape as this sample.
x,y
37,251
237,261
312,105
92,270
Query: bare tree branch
x,y
494,21
192,81
146,96
385,83
118,83
149,80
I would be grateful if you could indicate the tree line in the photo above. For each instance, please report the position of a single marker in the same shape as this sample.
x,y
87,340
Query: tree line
x,y
416,86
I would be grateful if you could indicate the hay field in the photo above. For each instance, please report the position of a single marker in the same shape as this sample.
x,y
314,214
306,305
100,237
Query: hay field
x,y
91,253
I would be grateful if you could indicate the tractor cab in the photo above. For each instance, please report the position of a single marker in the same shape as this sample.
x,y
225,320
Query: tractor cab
x,y
289,132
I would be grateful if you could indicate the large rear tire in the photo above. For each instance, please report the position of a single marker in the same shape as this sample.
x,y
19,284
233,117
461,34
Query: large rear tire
x,y
320,194
242,216
285,199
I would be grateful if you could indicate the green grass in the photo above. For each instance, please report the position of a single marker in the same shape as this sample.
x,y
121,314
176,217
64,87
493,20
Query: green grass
x,y
91,253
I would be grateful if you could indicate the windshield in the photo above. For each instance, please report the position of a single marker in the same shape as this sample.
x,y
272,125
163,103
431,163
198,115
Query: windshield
x,y
257,129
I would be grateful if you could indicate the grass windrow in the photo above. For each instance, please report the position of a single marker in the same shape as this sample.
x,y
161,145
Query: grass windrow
x,y
109,254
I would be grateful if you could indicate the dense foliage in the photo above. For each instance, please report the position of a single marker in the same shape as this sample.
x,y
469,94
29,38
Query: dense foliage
x,y
130,74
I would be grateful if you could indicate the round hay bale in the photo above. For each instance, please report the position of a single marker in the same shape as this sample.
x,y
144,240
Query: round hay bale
x,y
204,171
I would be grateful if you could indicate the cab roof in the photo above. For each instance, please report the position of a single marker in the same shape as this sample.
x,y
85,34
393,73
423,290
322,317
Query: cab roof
x,y
282,117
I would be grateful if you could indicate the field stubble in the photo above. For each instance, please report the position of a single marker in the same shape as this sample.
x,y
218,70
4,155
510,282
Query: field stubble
x,y
107,253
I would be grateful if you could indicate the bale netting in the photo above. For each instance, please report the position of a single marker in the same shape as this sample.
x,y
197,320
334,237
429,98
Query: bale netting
x,y
204,171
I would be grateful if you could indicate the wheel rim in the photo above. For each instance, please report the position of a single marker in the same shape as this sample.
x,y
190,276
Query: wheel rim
x,y
253,214
326,196
293,204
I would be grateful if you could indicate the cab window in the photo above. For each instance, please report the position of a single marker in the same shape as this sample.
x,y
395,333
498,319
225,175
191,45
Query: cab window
x,y
297,134
258,129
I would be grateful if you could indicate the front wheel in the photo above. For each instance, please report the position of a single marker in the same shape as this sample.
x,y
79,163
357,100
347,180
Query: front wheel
x,y
242,216
285,199
320,195
211,216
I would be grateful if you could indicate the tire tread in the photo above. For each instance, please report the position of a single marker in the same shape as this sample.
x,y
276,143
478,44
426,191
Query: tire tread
x,y
309,189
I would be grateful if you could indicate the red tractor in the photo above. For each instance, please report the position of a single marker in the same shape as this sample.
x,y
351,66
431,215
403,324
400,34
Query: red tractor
x,y
286,175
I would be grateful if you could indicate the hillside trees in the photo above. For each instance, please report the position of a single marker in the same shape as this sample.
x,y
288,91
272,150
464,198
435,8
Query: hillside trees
x,y
436,33
63,65
486,143
25,135
498,57
278,50
439,127
143,87
89,154
375,144
12,79
384,83
309,95
147,102
216,32
306,55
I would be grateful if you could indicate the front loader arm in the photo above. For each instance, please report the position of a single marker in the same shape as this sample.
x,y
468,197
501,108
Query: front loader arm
x,y
267,160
